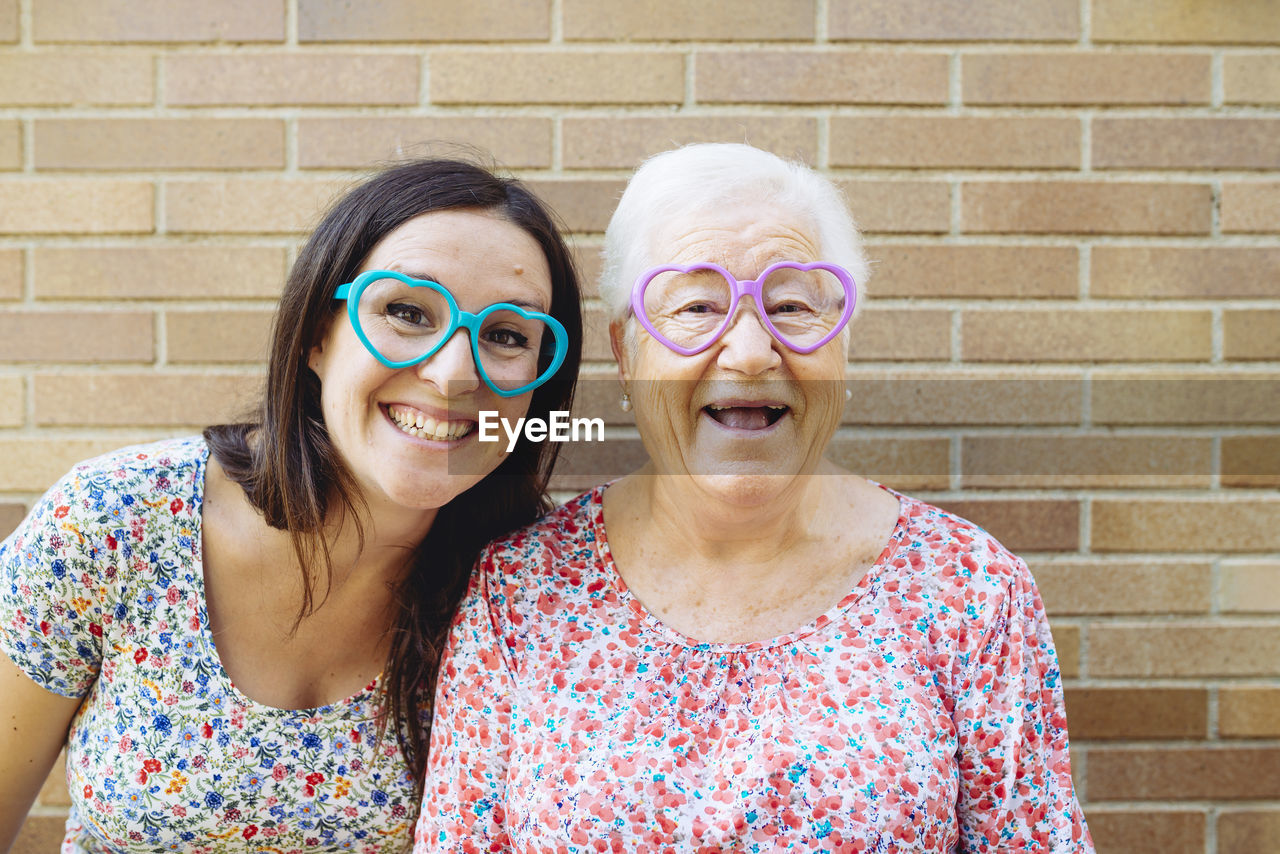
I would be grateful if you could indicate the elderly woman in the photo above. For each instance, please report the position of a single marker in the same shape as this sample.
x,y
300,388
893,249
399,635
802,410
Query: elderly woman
x,y
743,647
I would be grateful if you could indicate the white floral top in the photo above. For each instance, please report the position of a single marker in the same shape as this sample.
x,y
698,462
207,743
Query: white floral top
x,y
102,596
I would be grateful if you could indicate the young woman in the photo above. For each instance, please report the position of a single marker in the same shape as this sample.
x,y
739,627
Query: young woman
x,y
236,635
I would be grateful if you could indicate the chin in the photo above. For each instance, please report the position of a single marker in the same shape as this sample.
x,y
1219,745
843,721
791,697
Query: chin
x,y
429,494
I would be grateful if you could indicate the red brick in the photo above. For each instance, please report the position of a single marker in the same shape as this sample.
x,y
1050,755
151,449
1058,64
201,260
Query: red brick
x,y
115,21
1024,524
955,20
10,274
12,404
218,336
55,79
624,141
1248,831
76,206
1184,649
1156,832
893,397
149,144
1064,78
1184,21
10,145
962,142
595,335
1086,335
159,272
203,80
583,204
901,334
1184,398
1184,272
1251,461
1124,586
8,20
1227,524
33,464
682,20
1086,462
1083,207
1184,774
1249,711
960,272
76,336
899,206
820,77
1066,638
351,141
247,206
1137,713
1250,586
1251,334
901,463
1175,143
54,791
424,21
1251,208
1251,79
11,514
152,399
557,77
40,834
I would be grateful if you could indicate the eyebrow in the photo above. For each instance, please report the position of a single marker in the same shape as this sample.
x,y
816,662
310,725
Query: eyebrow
x,y
427,277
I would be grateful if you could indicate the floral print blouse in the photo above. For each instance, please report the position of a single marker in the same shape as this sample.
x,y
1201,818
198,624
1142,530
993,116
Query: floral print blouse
x,y
922,713
102,597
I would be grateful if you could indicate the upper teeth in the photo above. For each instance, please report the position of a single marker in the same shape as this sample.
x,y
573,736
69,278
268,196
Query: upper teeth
x,y
423,426
745,406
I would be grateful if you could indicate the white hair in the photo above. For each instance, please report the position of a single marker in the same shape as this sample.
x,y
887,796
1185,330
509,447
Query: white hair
x,y
707,176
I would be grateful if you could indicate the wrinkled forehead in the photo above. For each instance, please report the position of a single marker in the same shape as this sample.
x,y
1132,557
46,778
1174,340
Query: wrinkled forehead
x,y
744,237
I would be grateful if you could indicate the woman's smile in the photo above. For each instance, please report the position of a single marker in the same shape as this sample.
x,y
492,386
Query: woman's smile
x,y
421,425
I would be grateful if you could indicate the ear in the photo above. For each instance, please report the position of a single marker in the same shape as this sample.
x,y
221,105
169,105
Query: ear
x,y
618,343
316,355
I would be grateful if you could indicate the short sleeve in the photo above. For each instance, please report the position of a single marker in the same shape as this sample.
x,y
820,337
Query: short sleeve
x,y
464,797
51,595
1016,792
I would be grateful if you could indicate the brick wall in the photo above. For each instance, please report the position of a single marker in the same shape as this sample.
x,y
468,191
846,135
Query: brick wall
x,y
1074,208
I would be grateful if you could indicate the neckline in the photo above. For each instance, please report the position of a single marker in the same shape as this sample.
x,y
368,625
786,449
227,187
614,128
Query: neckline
x,y
358,701
595,509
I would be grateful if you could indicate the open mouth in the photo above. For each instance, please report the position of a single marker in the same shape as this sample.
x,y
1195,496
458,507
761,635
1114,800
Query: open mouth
x,y
422,426
746,417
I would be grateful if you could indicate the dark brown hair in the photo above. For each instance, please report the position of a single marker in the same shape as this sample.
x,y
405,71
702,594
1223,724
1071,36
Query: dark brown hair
x,y
290,471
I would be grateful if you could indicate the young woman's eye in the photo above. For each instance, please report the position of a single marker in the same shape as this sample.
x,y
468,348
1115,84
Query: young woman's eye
x,y
407,313
508,338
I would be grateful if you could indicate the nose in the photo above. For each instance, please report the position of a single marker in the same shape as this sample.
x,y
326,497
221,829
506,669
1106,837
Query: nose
x,y
746,346
451,369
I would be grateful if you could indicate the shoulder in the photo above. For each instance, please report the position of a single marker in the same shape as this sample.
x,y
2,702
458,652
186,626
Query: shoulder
x,y
151,465
965,569
125,483
553,559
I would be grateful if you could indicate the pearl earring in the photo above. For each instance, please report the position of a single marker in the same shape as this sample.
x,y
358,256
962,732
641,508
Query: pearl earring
x,y
625,403
848,394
